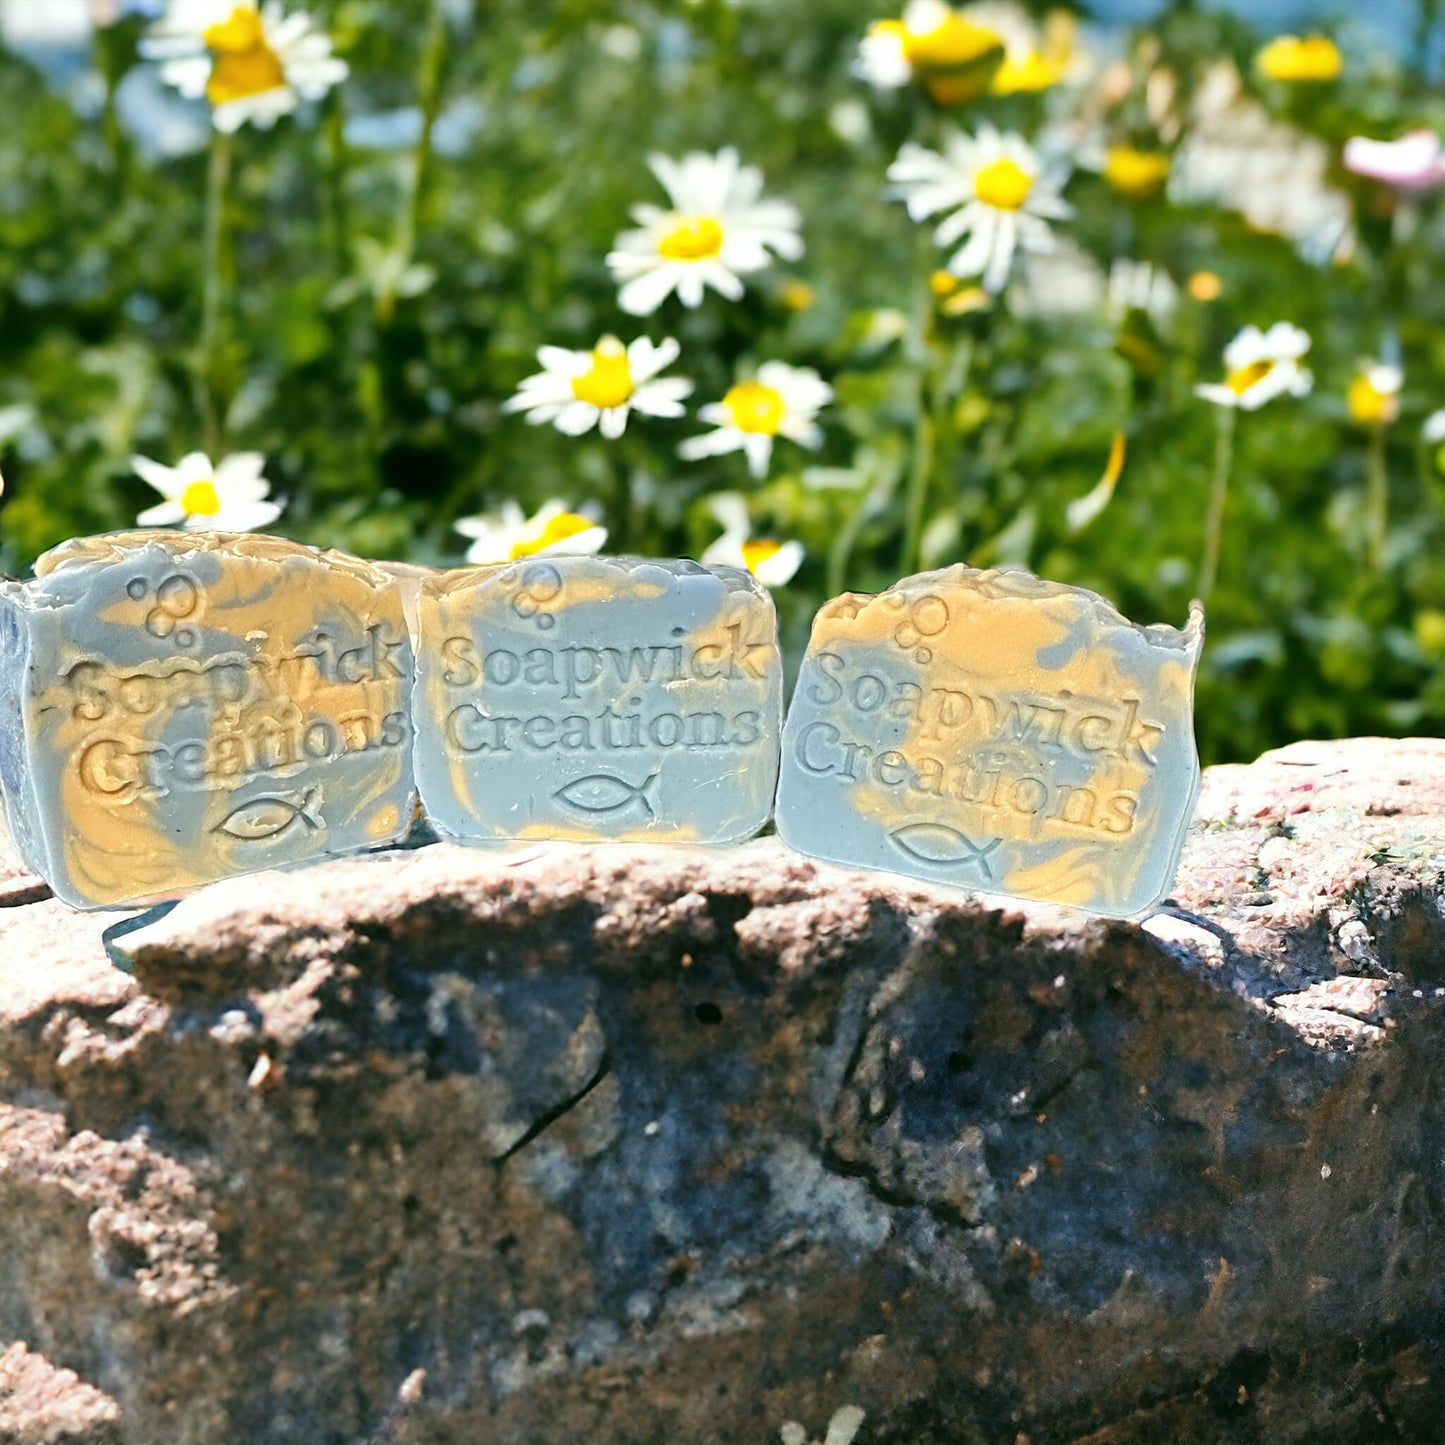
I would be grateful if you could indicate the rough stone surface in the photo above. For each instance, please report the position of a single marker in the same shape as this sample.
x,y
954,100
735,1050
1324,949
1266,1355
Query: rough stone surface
x,y
613,1145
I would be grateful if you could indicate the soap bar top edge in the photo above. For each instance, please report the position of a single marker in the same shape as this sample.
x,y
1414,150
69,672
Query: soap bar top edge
x,y
1013,582
443,581
114,546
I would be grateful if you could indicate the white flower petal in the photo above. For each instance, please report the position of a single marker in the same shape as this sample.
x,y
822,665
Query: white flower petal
x,y
662,397
164,479
781,567
711,444
644,294
576,418
163,514
563,362
759,449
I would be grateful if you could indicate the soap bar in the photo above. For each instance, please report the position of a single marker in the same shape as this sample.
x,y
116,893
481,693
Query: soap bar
x,y
597,698
1001,733
179,707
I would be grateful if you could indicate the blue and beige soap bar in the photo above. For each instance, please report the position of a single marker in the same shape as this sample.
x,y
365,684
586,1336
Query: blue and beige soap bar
x,y
177,707
598,698
1001,733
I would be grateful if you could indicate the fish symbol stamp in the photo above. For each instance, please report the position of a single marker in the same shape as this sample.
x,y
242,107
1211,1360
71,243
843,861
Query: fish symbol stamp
x,y
604,793
268,815
993,731
597,698
939,844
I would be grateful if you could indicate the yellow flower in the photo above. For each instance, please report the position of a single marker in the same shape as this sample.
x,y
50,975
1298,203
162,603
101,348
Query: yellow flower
x,y
508,535
799,296
998,193
231,496
946,51
771,561
1374,394
1135,173
577,390
1293,58
971,298
251,62
781,400
1259,366
1205,286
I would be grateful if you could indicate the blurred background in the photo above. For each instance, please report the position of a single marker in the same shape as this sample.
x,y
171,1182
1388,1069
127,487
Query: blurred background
x,y
387,260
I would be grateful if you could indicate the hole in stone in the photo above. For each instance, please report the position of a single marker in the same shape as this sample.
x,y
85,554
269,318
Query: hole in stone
x,y
959,1062
708,1013
411,1204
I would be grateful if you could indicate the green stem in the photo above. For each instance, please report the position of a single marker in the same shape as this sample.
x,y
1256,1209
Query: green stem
x,y
873,500
430,76
1376,498
620,538
333,129
1218,490
918,477
218,180
924,432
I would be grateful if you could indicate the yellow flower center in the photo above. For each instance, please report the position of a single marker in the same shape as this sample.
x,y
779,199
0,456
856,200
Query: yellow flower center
x,y
1369,406
755,407
562,526
244,63
609,381
943,283
952,42
1290,58
798,296
1033,71
200,500
1242,378
694,238
1205,286
1136,173
1003,184
756,553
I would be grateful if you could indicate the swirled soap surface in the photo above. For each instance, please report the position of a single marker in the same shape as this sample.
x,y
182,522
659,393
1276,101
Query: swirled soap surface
x,y
998,732
598,698
176,708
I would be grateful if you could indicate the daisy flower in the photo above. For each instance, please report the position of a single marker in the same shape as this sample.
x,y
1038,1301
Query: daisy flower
x,y
508,534
929,41
781,400
577,390
251,61
999,191
773,563
227,498
1415,162
955,54
1261,365
1374,394
719,227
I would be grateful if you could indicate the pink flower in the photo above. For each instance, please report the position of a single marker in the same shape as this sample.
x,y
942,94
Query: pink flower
x,y
1415,162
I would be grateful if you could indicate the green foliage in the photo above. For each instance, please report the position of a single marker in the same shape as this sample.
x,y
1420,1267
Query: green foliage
x,y
379,305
